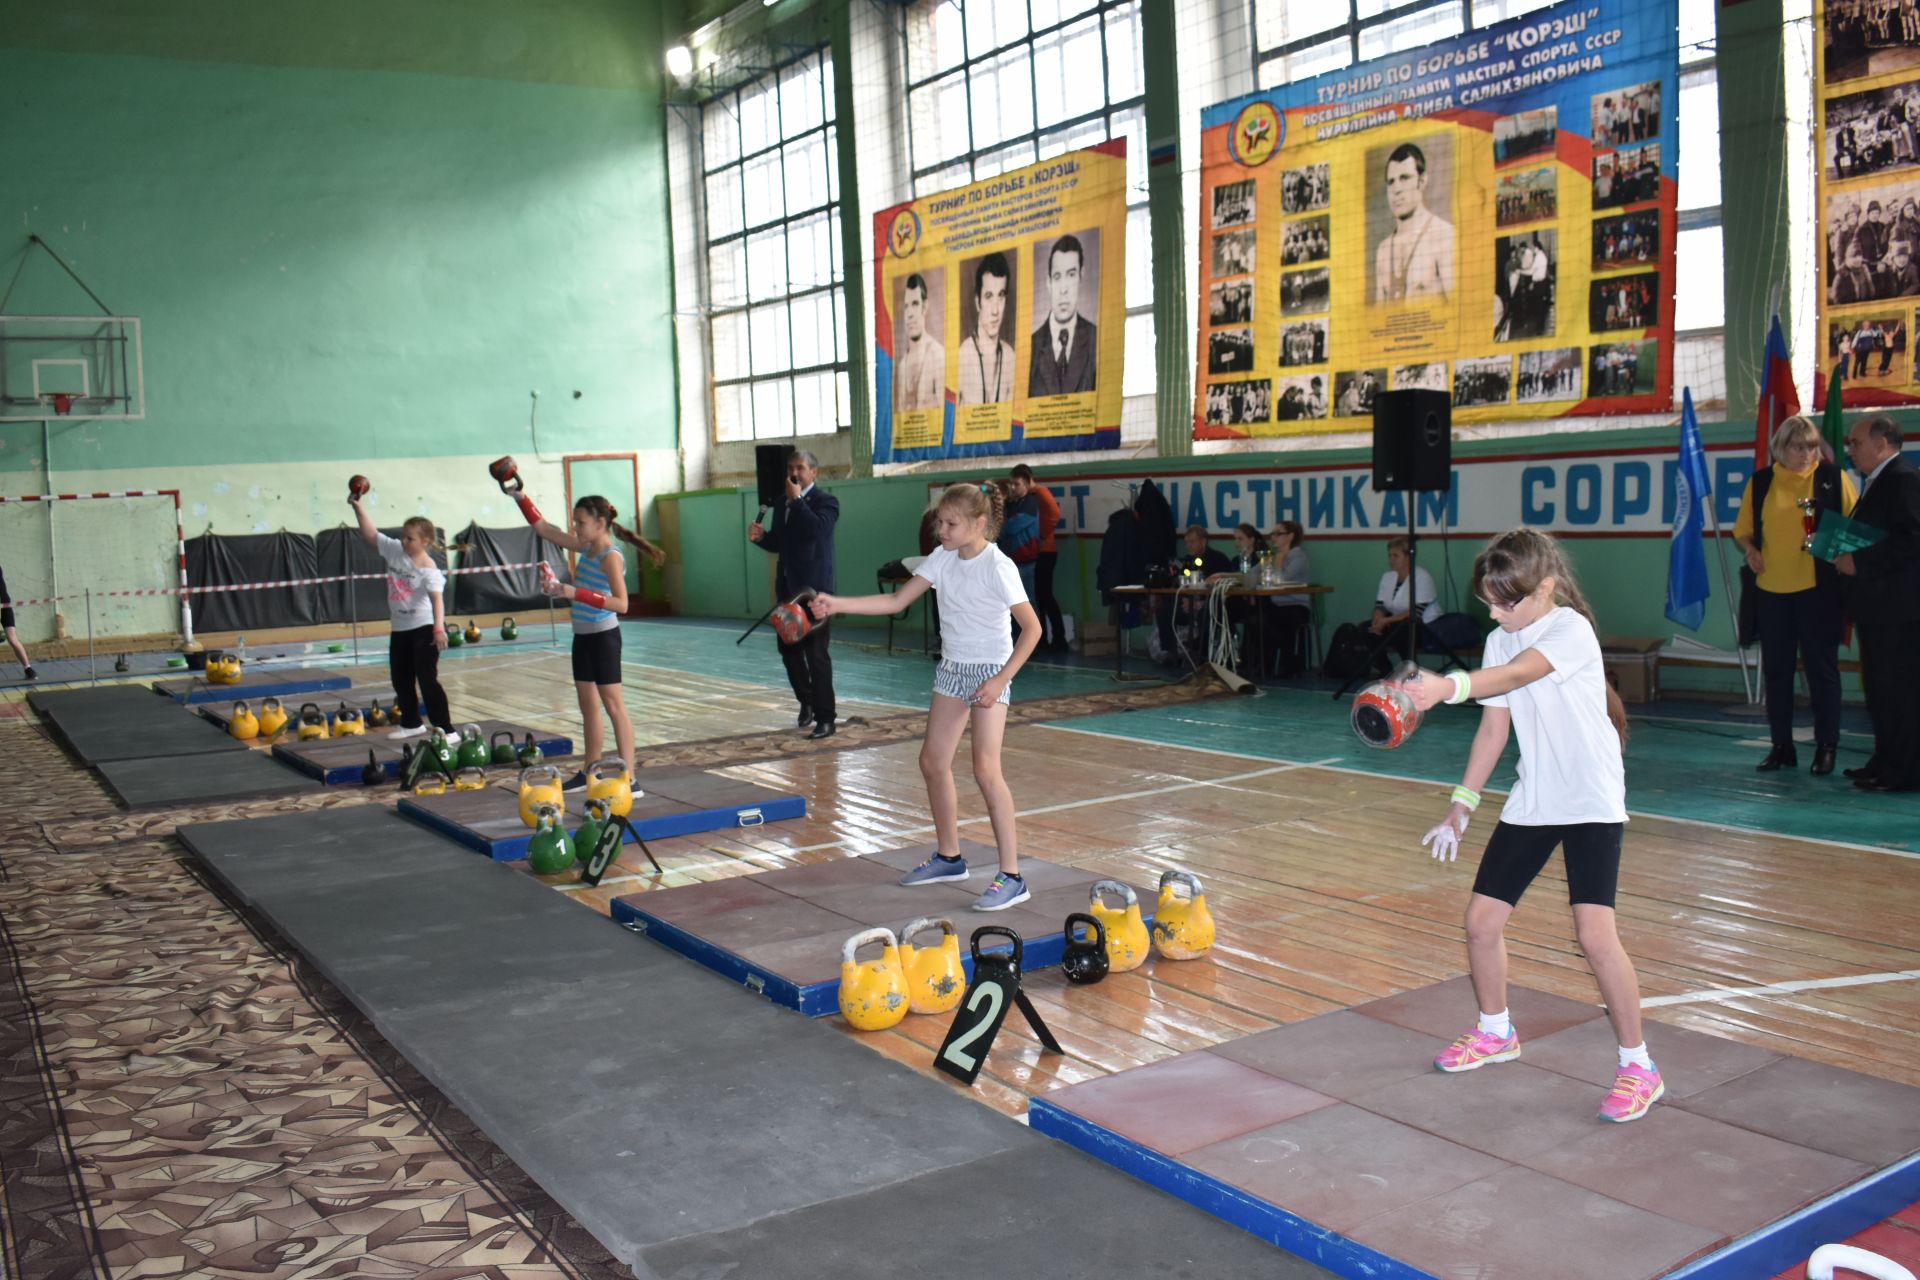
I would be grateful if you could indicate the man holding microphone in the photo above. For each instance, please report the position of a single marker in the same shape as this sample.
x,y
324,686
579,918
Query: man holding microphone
x,y
801,536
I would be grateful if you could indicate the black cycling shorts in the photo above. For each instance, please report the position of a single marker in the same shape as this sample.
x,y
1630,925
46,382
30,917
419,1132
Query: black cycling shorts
x,y
596,657
1516,854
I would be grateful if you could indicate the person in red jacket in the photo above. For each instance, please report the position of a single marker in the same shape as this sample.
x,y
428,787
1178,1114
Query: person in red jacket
x,y
1044,554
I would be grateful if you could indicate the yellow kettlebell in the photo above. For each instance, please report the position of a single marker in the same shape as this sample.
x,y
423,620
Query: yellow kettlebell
x,y
313,724
1126,932
430,784
1182,925
471,778
935,980
223,668
610,782
540,785
243,724
347,722
873,994
273,717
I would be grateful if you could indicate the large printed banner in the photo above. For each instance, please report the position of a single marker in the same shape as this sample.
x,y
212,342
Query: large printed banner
x,y
1867,99
1491,215
1000,313
1622,493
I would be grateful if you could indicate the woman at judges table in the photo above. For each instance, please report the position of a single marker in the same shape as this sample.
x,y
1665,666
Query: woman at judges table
x,y
1797,601
1288,616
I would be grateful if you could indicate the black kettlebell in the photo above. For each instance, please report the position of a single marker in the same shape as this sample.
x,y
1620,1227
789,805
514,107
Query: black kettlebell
x,y
1084,962
373,775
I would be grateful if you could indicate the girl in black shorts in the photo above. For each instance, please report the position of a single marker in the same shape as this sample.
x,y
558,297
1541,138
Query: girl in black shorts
x,y
13,638
599,595
1543,681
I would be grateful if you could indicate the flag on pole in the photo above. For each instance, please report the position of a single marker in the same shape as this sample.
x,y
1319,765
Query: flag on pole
x,y
1778,398
1687,588
1831,424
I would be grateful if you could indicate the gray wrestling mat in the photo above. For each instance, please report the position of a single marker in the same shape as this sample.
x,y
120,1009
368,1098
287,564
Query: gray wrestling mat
x,y
161,781
694,1129
128,723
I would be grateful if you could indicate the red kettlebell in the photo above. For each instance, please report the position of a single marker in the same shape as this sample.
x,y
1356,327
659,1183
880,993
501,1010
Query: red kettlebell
x,y
793,620
1384,714
506,473
357,488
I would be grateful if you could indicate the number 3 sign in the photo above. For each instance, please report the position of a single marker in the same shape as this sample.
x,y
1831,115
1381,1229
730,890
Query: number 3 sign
x,y
995,986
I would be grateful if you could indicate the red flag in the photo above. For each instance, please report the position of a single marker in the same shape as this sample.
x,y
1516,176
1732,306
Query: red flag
x,y
1778,398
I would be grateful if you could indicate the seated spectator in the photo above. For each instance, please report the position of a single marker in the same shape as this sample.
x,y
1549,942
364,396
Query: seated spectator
x,y
1390,597
1198,562
1288,616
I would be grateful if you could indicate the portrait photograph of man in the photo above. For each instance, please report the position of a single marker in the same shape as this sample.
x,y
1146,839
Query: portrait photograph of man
x,y
1066,292
1408,221
920,359
986,313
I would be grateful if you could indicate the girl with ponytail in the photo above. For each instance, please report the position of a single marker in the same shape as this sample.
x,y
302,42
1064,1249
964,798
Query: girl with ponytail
x,y
979,588
1543,681
598,594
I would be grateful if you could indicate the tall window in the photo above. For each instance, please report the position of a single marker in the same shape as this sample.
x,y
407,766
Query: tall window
x,y
777,321
996,84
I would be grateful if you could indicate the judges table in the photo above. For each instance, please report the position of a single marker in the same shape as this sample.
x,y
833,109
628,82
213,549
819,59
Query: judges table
x,y
1200,593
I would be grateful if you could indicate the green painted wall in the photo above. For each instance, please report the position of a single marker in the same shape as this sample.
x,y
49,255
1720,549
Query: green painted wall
x,y
357,235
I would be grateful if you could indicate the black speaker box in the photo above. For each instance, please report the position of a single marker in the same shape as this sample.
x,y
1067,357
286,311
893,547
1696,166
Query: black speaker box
x,y
1412,441
770,472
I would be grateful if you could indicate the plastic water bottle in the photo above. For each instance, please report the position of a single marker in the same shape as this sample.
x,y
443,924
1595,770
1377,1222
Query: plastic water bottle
x,y
240,646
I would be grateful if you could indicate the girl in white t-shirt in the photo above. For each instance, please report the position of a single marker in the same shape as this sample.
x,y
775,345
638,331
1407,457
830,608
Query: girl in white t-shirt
x,y
1543,679
416,609
979,588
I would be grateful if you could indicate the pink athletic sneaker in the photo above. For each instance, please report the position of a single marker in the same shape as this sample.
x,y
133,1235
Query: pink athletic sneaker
x,y
1477,1049
1635,1090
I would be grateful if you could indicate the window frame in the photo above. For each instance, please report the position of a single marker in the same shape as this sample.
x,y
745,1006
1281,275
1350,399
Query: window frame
x,y
744,302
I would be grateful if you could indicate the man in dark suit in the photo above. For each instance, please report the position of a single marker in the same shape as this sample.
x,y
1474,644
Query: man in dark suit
x,y
1882,586
802,538
1063,347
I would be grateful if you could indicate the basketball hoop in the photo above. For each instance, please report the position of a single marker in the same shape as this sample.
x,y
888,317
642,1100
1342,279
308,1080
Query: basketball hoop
x,y
62,401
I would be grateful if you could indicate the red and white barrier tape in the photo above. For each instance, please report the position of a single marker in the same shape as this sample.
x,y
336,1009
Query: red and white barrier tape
x,y
257,586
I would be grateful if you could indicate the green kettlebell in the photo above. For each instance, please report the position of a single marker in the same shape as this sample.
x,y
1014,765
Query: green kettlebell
x,y
549,849
445,755
508,629
473,753
503,751
591,826
529,753
454,638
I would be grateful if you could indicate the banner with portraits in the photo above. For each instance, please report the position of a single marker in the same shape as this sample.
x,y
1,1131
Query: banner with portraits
x,y
1491,215
1867,110
1000,313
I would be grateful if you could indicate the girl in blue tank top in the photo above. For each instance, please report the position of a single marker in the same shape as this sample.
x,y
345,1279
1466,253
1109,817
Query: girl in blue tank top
x,y
599,595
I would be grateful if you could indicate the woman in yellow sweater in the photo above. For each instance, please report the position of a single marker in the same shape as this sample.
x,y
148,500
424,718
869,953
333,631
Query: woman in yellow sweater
x,y
1798,602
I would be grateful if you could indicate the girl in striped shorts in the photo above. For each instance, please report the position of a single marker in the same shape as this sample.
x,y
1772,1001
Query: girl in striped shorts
x,y
979,588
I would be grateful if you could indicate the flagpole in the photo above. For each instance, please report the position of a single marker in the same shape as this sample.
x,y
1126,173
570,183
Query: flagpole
x,y
1726,583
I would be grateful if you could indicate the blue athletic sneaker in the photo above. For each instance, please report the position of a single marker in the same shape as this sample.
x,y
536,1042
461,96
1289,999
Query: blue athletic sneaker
x,y
1007,890
936,869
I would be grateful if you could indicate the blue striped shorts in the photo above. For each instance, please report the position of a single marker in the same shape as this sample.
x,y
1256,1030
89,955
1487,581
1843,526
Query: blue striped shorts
x,y
961,679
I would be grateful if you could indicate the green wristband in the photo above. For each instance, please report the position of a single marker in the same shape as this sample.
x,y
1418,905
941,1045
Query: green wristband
x,y
1468,797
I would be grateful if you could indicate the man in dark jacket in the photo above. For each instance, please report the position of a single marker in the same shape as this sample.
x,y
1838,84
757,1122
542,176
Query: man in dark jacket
x,y
1882,588
802,538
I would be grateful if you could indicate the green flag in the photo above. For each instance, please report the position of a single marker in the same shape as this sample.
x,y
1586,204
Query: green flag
x,y
1831,426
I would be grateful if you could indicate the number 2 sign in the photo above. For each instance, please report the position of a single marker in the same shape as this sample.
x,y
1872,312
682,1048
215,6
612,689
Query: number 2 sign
x,y
995,987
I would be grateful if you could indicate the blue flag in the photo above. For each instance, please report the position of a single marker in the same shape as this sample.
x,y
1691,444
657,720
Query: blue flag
x,y
1687,588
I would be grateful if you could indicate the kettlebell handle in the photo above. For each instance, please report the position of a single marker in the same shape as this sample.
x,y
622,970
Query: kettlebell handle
x,y
499,734
533,772
998,931
312,707
1127,896
913,928
597,809
546,818
1080,918
1187,878
614,762
881,935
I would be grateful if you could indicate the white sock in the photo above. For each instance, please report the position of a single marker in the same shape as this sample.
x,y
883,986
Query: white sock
x,y
1635,1056
1496,1024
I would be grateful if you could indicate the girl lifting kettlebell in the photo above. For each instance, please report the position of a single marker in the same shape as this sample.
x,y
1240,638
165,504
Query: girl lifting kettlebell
x,y
979,590
599,595
416,609
1544,681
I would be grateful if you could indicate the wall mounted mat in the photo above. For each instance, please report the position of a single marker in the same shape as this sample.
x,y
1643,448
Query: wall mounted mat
x,y
566,1042
165,781
255,683
338,761
779,932
1335,1139
96,730
672,802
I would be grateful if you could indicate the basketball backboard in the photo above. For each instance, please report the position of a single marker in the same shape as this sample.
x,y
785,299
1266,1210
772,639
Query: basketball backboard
x,y
70,367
